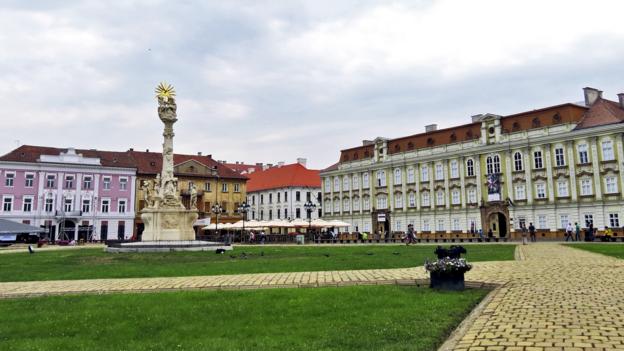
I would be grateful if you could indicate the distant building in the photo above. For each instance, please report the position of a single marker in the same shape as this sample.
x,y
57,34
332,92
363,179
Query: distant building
x,y
280,192
552,166
75,194
244,169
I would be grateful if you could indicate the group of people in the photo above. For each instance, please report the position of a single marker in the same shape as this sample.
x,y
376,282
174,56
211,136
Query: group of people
x,y
260,237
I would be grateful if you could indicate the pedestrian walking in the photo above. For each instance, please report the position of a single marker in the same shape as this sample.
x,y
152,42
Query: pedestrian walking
x,y
568,233
524,234
481,235
532,232
577,231
410,234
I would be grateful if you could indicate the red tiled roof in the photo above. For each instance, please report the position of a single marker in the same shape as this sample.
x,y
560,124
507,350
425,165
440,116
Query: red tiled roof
x,y
31,153
242,168
151,163
602,112
286,176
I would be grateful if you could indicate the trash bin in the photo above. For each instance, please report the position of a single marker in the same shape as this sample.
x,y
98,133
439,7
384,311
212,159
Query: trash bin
x,y
300,239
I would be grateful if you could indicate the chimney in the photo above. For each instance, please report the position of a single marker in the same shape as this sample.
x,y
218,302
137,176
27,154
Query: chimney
x,y
131,149
302,161
251,170
591,95
199,153
258,164
431,128
265,167
280,164
146,150
367,142
621,98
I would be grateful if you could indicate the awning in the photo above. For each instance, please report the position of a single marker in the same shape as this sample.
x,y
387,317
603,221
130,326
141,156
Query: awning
x,y
10,227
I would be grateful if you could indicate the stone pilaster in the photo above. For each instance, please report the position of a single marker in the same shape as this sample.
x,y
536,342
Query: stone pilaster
x,y
596,168
549,174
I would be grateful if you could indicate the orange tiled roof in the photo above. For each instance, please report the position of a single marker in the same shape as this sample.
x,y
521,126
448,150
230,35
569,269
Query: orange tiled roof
x,y
242,168
281,177
602,112
151,163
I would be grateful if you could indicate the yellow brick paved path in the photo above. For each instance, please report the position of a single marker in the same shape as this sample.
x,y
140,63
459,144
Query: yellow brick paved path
x,y
553,298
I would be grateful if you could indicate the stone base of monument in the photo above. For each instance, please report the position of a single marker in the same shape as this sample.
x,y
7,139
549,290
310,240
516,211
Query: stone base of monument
x,y
168,246
168,224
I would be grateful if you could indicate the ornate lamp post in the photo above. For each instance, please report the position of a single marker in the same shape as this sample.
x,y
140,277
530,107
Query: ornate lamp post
x,y
309,207
217,210
243,209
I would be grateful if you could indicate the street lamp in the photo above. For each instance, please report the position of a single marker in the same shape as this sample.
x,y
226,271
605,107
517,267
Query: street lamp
x,y
309,207
243,209
217,210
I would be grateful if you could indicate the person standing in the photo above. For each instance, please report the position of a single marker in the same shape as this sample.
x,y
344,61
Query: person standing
x,y
481,235
568,233
524,234
532,232
577,231
410,234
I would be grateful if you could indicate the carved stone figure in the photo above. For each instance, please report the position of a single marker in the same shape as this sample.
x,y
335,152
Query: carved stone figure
x,y
147,187
193,191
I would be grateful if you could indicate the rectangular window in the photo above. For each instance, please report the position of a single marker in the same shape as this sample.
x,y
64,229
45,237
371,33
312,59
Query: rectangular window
x,y
346,205
270,198
261,199
236,188
297,196
7,204
520,192
397,177
425,199
456,224
365,181
439,172
30,179
563,221
541,222
537,159
412,200
308,196
614,220
345,183
121,206
356,204
297,212
365,204
327,185
105,205
86,182
607,151
583,154
440,198
440,227
86,205
472,196
381,178
123,183
49,204
382,202
106,183
425,226
356,181
336,184
207,187
410,175
9,179
424,173
540,190
454,169
68,204
586,187
611,185
455,197
589,219
562,188
398,200
224,188
27,204
559,157
279,197
398,225
50,180
285,196
285,213
69,182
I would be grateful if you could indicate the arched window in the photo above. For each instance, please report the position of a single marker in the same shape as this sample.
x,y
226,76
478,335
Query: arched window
x,y
470,168
397,176
492,164
518,161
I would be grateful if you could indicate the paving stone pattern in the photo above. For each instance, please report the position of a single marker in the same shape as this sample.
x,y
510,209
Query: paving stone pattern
x,y
551,298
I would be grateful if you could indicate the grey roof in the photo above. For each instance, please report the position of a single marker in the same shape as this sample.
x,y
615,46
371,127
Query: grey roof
x,y
10,227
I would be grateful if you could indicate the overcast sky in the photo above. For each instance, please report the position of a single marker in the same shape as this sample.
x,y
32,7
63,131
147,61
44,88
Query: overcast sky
x,y
273,81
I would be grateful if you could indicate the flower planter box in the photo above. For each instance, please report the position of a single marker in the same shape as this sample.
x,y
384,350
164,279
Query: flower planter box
x,y
447,280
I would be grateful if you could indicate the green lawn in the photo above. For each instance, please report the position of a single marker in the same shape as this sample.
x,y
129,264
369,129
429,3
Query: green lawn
x,y
94,263
346,318
609,249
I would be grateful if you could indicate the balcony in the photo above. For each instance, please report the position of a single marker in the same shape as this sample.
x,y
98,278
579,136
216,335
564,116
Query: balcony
x,y
70,214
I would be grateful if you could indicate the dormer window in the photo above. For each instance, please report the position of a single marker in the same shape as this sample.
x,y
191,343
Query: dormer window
x,y
397,148
536,123
469,134
453,137
515,127
410,146
430,141
355,156
556,118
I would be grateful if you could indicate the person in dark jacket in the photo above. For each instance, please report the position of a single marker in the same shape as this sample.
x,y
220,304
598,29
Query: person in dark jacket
x,y
532,232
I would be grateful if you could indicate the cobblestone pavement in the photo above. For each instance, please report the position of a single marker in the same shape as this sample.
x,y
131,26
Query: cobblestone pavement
x,y
551,298
557,298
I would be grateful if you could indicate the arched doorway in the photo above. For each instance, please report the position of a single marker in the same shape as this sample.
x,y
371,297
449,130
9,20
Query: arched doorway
x,y
497,222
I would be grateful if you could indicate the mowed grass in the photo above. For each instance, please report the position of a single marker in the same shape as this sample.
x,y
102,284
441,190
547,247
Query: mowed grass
x,y
609,249
94,263
345,318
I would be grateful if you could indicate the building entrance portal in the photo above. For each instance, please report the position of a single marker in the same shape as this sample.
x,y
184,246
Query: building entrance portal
x,y
495,217
497,222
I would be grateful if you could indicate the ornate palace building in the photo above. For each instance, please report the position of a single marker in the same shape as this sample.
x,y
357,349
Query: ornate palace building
x,y
550,167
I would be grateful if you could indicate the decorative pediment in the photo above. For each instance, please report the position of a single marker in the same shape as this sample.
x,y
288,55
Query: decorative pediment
x,y
584,173
610,167
518,179
561,173
540,177
471,184
454,186
439,186
424,188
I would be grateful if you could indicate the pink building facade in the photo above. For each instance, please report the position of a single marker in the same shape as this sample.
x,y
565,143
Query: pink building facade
x,y
84,194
